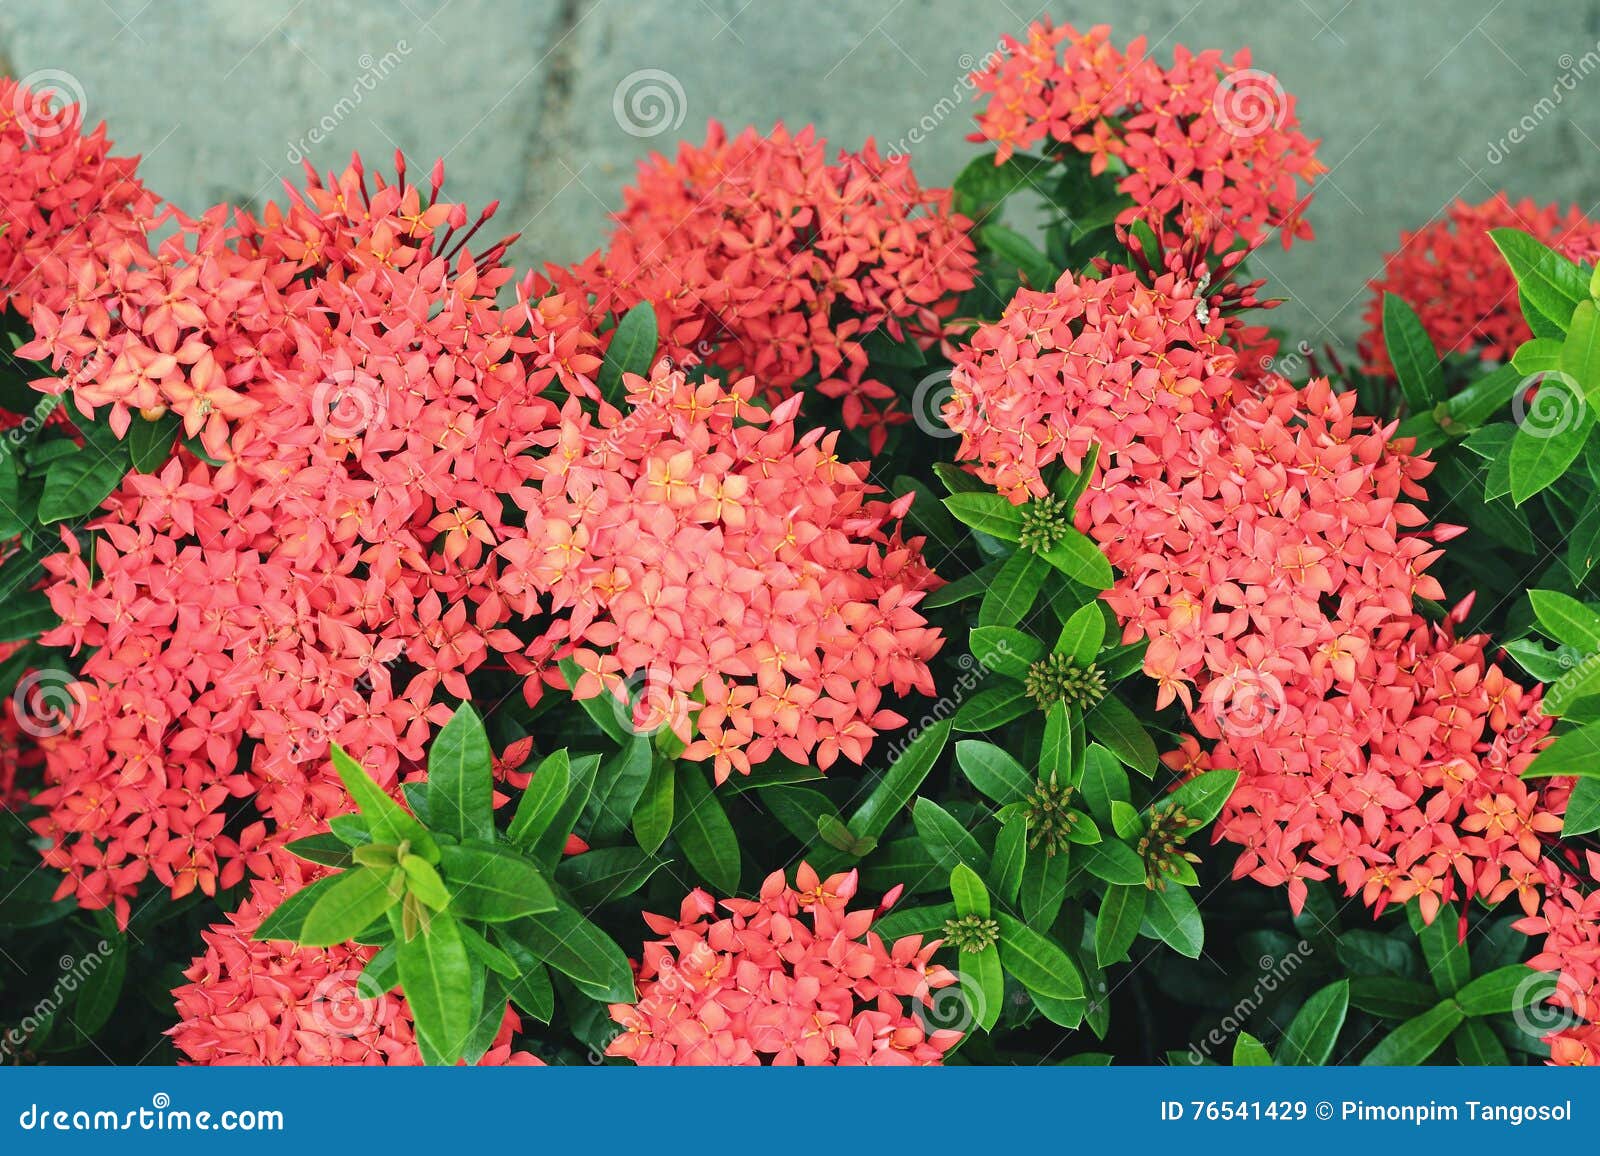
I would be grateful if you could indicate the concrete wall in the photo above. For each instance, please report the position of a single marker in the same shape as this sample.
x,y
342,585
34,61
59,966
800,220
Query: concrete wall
x,y
1415,100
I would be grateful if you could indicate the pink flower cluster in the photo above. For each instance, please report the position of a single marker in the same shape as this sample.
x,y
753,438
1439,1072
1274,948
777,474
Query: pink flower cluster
x,y
762,257
272,1003
1209,150
344,557
1450,272
1270,550
760,984
715,563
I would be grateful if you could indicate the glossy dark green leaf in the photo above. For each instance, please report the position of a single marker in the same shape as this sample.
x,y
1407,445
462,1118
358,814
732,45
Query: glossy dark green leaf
x,y
25,614
1116,727
990,513
1117,925
541,801
437,978
328,850
1044,886
702,829
1082,635
1036,962
1011,593
75,485
1415,1040
1170,913
493,883
632,350
652,815
574,946
1010,859
1111,860
606,874
1573,753
993,771
1314,1032
1411,352
150,442
1547,282
993,707
1076,556
1583,809
1505,989
1448,962
347,908
1006,650
460,779
552,841
901,782
950,843
1203,797
532,990
618,786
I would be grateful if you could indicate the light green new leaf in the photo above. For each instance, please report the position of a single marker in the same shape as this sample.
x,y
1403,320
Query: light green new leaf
x,y
460,779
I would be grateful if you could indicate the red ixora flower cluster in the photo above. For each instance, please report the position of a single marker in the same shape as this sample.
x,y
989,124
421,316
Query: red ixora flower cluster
x,y
1208,149
1270,551
761,984
1462,290
346,555
714,562
271,1003
762,257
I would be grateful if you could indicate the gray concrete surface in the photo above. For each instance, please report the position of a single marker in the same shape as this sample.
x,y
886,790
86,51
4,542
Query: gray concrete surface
x,y
1415,100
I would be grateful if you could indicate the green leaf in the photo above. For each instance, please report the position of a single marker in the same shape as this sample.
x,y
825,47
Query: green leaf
x,y
1574,753
150,442
1369,953
1583,809
993,707
993,772
1580,353
75,485
424,882
1010,859
1506,989
1549,440
1044,886
286,920
437,978
1314,1031
606,874
1082,635
901,782
1415,1040
1547,282
1391,998
632,350
1565,619
652,815
1011,593
98,997
983,185
1203,797
924,921
1484,398
1006,650
1076,556
970,895
532,990
704,832
1176,921
983,986
460,779
1117,926
568,942
950,844
328,850
1104,781
552,842
1015,249
1448,961
1112,860
1411,351
1037,963
1249,1052
617,789
990,513
541,801
1477,1044
386,819
1114,725
348,908
493,883
25,614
